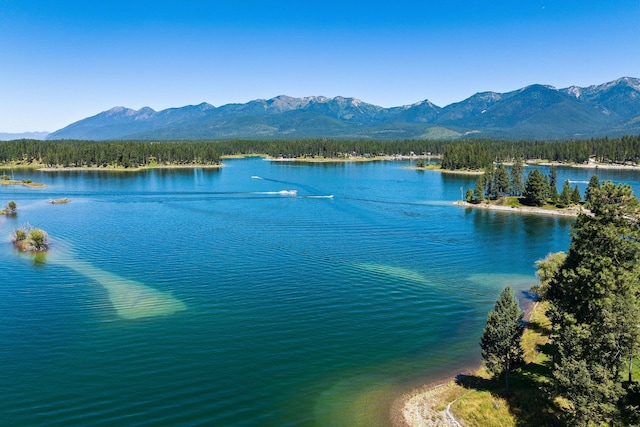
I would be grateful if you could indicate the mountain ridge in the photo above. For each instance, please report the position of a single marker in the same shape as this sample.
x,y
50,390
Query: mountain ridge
x,y
533,112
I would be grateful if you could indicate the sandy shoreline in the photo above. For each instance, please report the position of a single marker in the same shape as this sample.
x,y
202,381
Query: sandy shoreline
x,y
570,211
589,165
346,159
428,405
137,169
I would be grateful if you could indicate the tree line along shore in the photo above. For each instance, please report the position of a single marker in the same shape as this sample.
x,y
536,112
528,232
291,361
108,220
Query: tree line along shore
x,y
500,189
470,154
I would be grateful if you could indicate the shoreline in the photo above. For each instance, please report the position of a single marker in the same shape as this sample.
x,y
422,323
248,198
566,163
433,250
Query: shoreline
x,y
24,184
568,212
426,404
429,403
589,165
347,159
121,169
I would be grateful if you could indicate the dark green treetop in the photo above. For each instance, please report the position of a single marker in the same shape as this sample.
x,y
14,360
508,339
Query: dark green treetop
x,y
501,184
500,344
536,189
565,197
594,183
517,170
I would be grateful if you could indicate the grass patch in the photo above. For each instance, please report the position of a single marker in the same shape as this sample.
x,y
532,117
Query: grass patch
x,y
481,408
426,167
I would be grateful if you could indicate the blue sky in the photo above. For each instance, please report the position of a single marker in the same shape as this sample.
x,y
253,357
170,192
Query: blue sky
x,y
66,60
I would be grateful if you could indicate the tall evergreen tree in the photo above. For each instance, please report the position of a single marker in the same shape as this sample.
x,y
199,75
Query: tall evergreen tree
x,y
576,198
469,195
501,181
565,197
594,183
595,306
553,185
536,188
478,189
517,170
500,344
488,180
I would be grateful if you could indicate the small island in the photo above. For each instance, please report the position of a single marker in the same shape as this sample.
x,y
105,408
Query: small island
x,y
30,239
10,210
6,180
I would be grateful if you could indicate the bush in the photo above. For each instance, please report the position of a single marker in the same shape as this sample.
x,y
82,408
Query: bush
x,y
19,235
38,238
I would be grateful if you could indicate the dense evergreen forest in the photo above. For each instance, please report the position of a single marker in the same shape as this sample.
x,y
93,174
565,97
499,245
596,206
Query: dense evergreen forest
x,y
468,154
478,154
111,153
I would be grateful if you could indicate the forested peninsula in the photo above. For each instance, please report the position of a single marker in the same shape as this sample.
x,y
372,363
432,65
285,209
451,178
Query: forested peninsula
x,y
469,154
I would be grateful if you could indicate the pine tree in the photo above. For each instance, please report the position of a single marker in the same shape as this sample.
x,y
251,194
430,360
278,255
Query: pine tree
x,y
500,343
576,198
565,197
501,181
594,184
517,170
469,195
553,186
478,189
488,180
595,306
536,188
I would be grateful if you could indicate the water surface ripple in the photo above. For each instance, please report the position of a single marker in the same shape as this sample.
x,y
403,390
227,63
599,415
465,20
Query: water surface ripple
x,y
288,310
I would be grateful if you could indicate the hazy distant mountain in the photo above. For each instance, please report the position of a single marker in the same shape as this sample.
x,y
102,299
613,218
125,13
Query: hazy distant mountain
x,y
533,112
4,136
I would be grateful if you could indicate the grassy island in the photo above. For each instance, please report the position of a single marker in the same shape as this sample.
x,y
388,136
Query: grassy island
x,y
6,180
11,209
29,239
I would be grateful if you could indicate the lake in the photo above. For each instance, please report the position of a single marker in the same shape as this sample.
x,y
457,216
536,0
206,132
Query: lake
x,y
218,297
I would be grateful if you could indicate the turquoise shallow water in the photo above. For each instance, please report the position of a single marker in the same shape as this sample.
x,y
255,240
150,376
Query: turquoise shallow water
x,y
207,297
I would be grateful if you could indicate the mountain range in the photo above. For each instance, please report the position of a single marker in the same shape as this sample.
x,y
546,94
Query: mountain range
x,y
534,112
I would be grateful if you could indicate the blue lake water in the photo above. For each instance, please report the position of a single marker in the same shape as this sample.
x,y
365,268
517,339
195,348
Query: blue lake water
x,y
208,297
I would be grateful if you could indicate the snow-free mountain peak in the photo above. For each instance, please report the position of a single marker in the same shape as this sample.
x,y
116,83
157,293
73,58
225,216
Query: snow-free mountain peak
x,y
533,112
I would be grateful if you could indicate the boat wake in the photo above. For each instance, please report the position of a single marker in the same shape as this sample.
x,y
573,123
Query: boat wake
x,y
290,193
